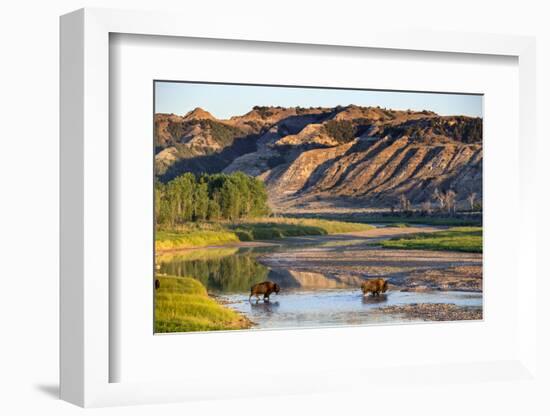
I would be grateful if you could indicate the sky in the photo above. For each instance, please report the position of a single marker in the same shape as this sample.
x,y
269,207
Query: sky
x,y
224,101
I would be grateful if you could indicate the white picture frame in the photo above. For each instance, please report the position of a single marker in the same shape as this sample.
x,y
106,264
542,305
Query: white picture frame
x,y
85,353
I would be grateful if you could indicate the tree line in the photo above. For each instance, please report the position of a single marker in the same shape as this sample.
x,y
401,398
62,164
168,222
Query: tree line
x,y
209,197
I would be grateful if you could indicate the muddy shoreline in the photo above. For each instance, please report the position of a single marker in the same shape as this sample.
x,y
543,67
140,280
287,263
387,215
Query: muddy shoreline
x,y
405,270
435,312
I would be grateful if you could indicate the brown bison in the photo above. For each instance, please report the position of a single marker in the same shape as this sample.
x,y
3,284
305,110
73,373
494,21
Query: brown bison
x,y
264,288
374,286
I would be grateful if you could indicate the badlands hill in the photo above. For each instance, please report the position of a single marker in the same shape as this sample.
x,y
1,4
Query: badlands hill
x,y
319,158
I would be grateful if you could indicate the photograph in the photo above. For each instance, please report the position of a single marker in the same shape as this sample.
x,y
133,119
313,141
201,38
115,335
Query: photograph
x,y
281,207
290,208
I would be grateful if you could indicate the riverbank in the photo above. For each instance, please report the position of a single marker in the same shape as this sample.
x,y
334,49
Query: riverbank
x,y
464,239
205,234
329,261
434,312
182,304
320,278
347,259
314,308
370,216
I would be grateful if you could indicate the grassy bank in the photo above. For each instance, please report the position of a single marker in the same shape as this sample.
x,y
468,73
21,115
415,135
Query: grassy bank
x,y
182,304
273,228
212,234
467,239
198,254
395,219
166,240
453,222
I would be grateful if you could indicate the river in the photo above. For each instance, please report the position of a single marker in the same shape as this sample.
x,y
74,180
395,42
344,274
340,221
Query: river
x,y
320,278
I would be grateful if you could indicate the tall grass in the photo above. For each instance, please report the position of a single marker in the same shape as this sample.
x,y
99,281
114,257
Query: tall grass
x,y
331,226
391,219
182,305
273,228
467,239
199,254
166,240
212,234
457,222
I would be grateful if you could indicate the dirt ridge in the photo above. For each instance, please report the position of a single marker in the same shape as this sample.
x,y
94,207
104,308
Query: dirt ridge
x,y
317,157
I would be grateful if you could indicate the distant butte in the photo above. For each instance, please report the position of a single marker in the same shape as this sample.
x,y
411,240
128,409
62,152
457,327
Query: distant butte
x,y
198,114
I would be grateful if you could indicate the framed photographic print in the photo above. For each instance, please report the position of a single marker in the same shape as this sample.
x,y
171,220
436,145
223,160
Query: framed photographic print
x,y
296,202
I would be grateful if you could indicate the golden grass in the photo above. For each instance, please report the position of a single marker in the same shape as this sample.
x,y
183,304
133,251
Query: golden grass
x,y
201,254
223,233
466,239
182,304
274,228
197,238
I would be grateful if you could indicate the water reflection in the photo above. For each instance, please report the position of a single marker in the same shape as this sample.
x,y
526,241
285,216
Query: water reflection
x,y
233,270
309,297
264,307
220,271
382,298
332,307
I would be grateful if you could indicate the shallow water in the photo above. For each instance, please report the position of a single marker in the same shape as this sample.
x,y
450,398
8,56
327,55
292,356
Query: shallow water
x,y
338,307
320,288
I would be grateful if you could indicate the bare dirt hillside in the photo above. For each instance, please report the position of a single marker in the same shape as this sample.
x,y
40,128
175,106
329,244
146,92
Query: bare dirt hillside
x,y
329,157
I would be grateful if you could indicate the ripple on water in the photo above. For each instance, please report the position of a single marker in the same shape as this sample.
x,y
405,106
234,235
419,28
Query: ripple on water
x,y
339,307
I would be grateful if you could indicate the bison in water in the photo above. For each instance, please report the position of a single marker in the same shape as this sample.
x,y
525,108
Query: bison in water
x,y
264,288
374,286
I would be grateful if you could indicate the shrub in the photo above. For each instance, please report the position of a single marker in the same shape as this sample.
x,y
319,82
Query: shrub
x,y
222,133
342,131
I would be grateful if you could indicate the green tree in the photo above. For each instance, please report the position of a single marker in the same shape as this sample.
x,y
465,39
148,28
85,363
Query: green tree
x,y
181,191
158,202
212,197
242,182
200,201
230,200
214,211
258,195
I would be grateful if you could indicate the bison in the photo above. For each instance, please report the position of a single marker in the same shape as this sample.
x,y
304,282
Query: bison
x,y
374,286
264,288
